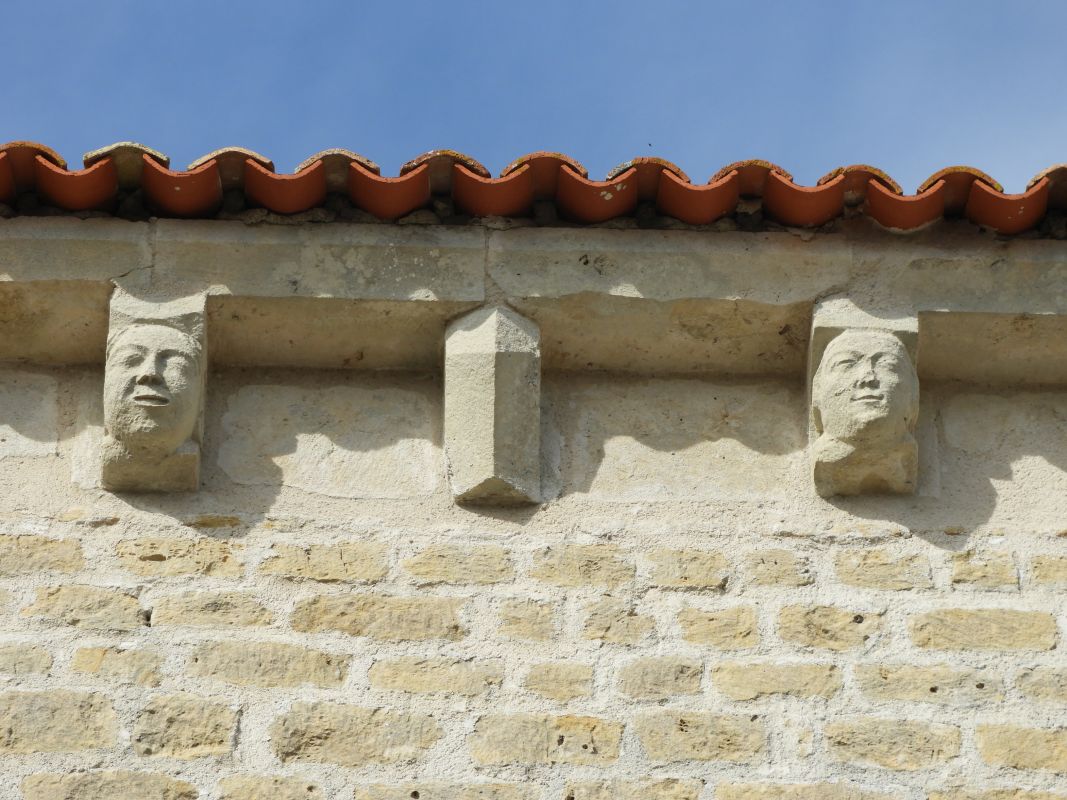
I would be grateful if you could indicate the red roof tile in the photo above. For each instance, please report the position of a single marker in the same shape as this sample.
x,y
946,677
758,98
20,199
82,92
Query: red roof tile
x,y
126,168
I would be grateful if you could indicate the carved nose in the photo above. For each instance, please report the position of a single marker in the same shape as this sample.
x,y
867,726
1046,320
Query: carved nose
x,y
149,378
868,379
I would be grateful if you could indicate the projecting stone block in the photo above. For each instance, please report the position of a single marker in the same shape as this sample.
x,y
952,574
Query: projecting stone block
x,y
493,408
153,394
864,402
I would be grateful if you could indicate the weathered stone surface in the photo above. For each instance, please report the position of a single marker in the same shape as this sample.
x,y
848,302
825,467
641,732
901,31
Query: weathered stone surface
x,y
582,565
493,407
381,616
56,721
994,569
1023,748
367,441
527,619
1049,570
984,629
422,675
184,726
881,569
159,556
889,743
934,684
24,659
350,562
828,627
107,785
445,563
532,739
683,736
798,791
777,568
140,667
1047,684
267,664
210,609
993,794
663,789
351,736
689,569
90,607
751,680
561,680
446,791
660,678
25,555
616,622
256,787
31,425
727,628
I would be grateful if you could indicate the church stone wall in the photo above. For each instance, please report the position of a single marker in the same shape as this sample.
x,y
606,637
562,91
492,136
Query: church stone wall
x,y
677,615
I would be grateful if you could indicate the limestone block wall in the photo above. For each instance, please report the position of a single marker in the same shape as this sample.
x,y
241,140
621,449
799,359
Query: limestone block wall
x,y
680,617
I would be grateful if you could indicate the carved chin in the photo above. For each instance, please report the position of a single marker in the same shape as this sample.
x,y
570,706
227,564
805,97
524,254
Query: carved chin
x,y
148,428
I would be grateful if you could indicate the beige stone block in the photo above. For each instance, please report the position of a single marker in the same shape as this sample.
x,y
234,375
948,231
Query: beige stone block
x,y
140,667
752,680
430,675
560,680
91,607
1023,748
351,736
26,555
184,726
447,563
890,743
257,787
993,794
881,569
56,721
532,739
660,678
107,785
693,735
24,659
493,407
381,616
725,628
777,568
351,562
689,569
648,789
211,609
828,627
616,622
798,791
1049,570
934,684
528,619
1045,684
993,569
448,791
582,565
983,629
159,557
267,664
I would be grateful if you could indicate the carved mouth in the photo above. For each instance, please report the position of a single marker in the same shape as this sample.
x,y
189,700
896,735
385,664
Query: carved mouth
x,y
868,398
147,399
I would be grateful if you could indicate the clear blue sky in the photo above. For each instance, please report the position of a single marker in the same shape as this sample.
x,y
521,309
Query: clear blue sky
x,y
906,85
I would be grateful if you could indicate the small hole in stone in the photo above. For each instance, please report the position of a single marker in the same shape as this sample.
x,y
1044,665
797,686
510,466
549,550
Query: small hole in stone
x,y
559,740
585,747
933,689
858,618
979,686
414,796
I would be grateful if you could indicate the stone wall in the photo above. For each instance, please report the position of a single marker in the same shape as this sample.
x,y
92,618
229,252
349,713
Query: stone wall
x,y
682,617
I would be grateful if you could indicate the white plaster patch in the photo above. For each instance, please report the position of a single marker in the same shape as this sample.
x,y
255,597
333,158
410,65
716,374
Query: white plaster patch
x,y
29,414
682,439
342,441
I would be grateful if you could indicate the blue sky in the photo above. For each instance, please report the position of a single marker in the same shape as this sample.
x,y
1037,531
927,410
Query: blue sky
x,y
907,86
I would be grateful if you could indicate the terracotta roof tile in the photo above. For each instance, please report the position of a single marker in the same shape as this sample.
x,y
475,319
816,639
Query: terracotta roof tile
x,y
113,172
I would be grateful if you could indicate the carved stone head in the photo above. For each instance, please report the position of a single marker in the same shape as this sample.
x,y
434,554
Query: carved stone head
x,y
153,387
865,389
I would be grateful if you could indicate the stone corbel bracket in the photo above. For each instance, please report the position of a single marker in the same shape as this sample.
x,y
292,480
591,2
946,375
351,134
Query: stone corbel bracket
x,y
864,401
492,426
154,378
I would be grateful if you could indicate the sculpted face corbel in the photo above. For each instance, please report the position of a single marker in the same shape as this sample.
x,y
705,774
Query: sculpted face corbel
x,y
864,406
153,395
